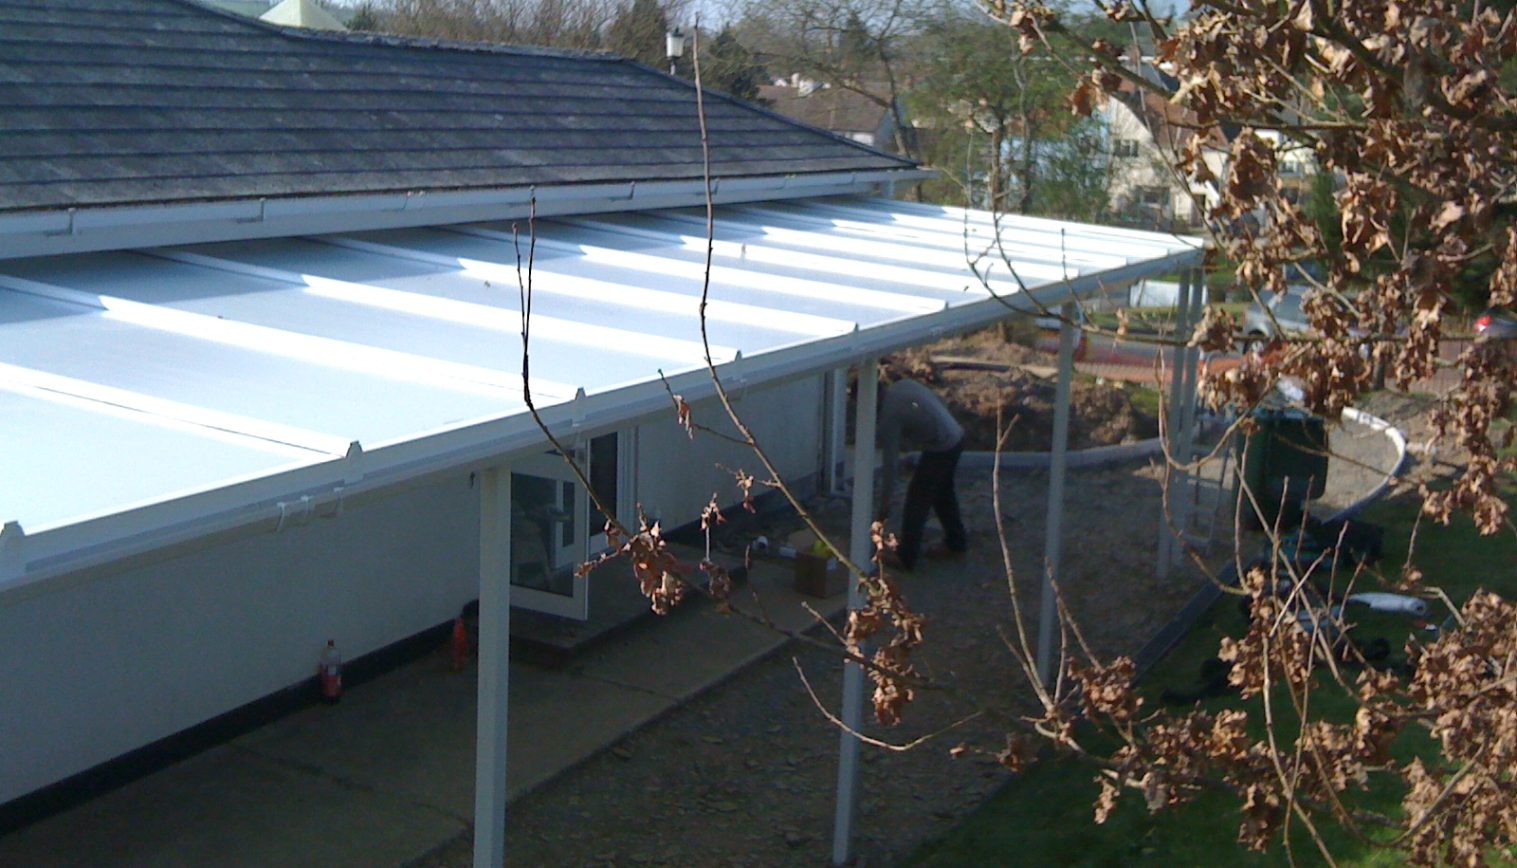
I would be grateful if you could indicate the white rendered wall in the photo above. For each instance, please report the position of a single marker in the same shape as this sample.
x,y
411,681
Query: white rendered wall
x,y
677,475
92,667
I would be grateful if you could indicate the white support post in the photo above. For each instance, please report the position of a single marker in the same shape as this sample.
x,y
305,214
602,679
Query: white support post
x,y
1054,527
1183,443
1172,426
494,667
859,550
1198,309
836,420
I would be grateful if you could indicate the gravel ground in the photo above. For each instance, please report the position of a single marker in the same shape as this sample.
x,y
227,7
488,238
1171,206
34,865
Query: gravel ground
x,y
1361,459
745,774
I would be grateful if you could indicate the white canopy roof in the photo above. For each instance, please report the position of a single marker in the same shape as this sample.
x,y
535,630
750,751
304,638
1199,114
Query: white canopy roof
x,y
153,396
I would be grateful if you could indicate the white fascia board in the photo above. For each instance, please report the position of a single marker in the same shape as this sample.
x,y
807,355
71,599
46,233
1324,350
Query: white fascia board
x,y
85,230
27,561
314,490
30,557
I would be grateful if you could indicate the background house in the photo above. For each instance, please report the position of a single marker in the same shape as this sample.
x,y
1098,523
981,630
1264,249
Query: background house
x,y
864,118
1146,131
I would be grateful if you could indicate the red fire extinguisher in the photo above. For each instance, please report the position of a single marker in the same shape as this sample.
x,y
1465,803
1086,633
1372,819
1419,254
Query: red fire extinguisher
x,y
459,647
329,673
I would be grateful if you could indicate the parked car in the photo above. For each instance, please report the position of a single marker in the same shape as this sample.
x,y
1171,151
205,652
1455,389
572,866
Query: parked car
x,y
1048,333
1052,323
1279,313
1496,324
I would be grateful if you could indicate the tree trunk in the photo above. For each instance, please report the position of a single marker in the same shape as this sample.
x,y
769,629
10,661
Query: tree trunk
x,y
1029,169
996,183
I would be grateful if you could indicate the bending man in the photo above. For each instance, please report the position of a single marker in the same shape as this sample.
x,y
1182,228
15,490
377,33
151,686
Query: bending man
x,y
913,413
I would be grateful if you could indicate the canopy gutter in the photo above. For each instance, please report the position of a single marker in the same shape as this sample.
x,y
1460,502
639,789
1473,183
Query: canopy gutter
x,y
84,230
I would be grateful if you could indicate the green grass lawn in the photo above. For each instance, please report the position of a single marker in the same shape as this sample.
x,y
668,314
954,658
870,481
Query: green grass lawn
x,y
1044,817
1144,398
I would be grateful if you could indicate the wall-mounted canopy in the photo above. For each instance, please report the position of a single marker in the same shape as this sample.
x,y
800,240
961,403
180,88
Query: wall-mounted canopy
x,y
152,396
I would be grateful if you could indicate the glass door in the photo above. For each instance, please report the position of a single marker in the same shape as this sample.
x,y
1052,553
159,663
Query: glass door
x,y
549,537
555,526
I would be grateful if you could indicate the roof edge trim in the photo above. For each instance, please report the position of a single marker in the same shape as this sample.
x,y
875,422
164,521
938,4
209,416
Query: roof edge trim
x,y
87,230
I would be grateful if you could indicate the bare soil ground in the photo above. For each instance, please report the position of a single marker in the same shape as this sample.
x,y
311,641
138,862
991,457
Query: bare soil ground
x,y
1101,413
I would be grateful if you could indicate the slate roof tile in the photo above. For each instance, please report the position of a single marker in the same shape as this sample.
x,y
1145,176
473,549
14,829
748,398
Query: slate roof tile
x,y
111,102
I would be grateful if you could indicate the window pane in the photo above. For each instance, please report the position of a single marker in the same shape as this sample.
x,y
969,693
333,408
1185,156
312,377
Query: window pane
x,y
603,477
538,552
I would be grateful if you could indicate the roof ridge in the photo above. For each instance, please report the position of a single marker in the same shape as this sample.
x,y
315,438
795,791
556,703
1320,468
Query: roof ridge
x,y
759,108
427,42
366,37
497,117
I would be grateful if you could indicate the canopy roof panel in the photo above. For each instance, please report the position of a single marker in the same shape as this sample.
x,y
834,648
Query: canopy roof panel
x,y
149,395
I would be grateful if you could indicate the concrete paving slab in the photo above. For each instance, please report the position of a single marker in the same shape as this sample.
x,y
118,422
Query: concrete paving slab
x,y
697,646
409,733
227,807
616,604
413,736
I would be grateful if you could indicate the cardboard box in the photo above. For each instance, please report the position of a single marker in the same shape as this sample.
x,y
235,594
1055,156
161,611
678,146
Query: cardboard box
x,y
804,540
816,574
819,577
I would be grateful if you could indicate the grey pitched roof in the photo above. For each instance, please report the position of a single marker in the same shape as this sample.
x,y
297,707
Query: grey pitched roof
x,y
107,102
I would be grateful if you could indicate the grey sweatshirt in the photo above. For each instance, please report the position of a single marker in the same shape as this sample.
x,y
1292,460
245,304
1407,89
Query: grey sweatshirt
x,y
913,413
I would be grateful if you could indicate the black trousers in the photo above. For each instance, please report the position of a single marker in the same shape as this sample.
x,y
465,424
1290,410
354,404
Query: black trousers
x,y
932,488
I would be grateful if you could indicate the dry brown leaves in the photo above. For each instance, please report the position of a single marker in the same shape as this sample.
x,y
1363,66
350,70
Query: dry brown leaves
x,y
1465,687
888,625
660,575
1408,107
